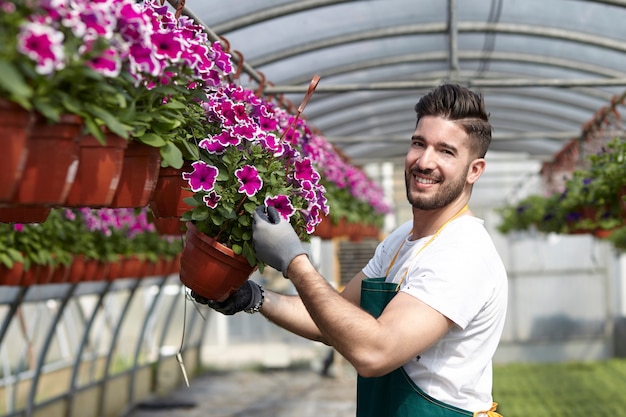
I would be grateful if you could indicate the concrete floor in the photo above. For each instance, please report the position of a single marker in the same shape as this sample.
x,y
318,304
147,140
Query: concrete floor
x,y
265,393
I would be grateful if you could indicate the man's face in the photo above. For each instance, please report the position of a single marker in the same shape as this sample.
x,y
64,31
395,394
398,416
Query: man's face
x,y
437,163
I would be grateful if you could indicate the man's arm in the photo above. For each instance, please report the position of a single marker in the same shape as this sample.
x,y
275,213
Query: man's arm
x,y
374,346
288,311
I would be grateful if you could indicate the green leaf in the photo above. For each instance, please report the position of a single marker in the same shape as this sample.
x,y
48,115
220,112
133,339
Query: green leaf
x,y
237,249
152,140
172,155
6,260
199,215
13,82
191,201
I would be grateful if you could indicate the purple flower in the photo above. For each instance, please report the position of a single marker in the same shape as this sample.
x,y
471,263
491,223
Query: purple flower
x,y
44,45
249,180
168,46
202,178
227,138
305,171
211,199
282,205
107,64
212,146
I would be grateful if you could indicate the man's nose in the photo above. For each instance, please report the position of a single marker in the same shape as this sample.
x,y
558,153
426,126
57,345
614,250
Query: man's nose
x,y
426,160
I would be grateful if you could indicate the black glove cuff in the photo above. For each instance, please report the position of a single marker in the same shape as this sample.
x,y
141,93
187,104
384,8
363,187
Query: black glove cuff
x,y
259,296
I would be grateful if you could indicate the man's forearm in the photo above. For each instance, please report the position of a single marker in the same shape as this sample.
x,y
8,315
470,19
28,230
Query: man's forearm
x,y
288,312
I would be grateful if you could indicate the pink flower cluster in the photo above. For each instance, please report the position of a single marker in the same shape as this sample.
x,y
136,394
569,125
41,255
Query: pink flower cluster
x,y
333,167
246,121
119,35
108,220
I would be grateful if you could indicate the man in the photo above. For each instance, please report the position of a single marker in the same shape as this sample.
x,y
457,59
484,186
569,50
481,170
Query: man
x,y
422,320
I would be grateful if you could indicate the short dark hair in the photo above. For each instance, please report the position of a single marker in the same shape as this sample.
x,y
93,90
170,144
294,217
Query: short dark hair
x,y
456,103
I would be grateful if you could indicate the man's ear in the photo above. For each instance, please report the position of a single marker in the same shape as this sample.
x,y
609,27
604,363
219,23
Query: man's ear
x,y
476,169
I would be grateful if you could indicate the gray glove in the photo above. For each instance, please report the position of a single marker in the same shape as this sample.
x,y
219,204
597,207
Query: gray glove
x,y
275,242
248,298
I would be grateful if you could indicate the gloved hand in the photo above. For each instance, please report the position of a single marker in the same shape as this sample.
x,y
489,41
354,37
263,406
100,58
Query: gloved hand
x,y
248,298
275,242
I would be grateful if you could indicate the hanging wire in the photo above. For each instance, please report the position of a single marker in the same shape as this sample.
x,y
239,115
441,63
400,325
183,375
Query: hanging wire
x,y
490,38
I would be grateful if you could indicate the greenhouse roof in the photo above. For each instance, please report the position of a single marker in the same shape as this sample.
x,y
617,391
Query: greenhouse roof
x,y
544,66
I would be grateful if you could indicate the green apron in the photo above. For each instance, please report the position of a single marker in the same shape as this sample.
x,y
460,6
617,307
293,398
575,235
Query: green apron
x,y
394,394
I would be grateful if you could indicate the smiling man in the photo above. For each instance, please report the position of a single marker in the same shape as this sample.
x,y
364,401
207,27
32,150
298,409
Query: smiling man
x,y
422,320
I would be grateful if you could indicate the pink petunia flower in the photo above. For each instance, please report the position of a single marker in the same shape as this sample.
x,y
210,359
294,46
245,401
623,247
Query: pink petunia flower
x,y
202,178
249,180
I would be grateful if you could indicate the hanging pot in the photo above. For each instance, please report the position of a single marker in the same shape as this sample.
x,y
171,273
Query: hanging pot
x,y
114,270
15,125
24,214
169,225
209,268
95,270
98,172
46,179
77,269
36,274
60,274
139,176
133,267
324,230
11,276
167,199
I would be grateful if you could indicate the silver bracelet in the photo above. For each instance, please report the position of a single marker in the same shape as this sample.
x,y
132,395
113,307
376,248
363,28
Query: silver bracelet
x,y
257,307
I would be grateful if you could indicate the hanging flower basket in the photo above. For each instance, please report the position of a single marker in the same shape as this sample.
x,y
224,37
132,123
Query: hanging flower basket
x,y
24,214
60,274
15,124
139,175
11,276
76,270
170,191
46,179
211,269
99,171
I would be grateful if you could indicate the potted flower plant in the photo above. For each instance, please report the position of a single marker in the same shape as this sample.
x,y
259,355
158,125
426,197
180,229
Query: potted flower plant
x,y
242,165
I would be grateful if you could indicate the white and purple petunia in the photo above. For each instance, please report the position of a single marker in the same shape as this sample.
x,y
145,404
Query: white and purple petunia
x,y
249,180
202,178
282,204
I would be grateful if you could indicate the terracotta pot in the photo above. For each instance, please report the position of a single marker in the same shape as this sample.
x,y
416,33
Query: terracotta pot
x,y
77,269
46,179
15,125
169,226
324,230
355,232
167,199
115,269
99,171
211,269
140,173
24,214
95,270
133,267
327,229
11,276
37,274
60,274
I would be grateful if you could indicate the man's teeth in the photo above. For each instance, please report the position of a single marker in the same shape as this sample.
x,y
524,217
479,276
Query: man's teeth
x,y
425,181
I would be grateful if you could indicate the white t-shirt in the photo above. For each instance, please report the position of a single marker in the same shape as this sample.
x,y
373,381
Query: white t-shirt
x,y
461,275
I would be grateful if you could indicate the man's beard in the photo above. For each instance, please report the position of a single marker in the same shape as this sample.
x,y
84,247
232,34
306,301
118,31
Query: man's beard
x,y
447,193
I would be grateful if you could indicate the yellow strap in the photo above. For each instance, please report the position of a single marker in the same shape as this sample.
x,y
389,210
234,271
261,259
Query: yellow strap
x,y
490,413
406,271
